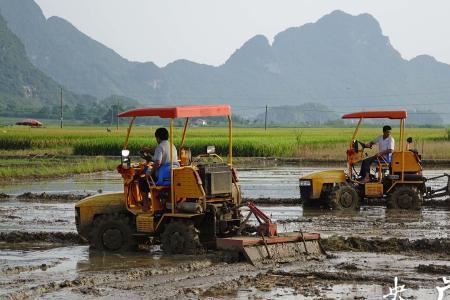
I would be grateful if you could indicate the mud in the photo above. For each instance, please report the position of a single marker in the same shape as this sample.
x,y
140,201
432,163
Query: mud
x,y
434,269
391,245
59,238
445,203
88,284
59,197
348,276
20,269
366,249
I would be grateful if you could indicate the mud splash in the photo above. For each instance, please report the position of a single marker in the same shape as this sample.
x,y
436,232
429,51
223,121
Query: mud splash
x,y
391,245
60,197
59,238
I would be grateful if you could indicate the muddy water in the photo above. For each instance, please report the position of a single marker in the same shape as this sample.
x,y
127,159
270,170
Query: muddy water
x,y
72,272
272,182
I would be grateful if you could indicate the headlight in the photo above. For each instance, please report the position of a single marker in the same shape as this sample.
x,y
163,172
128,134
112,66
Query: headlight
x,y
125,153
126,158
305,183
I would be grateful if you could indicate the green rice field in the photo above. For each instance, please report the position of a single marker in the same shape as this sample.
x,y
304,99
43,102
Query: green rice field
x,y
308,143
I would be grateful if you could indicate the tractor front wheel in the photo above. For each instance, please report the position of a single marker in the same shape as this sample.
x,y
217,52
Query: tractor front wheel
x,y
112,233
405,197
344,197
180,237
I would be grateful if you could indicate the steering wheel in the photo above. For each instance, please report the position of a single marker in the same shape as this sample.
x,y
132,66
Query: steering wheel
x,y
363,145
145,154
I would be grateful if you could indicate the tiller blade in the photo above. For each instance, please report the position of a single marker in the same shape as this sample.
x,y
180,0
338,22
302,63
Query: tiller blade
x,y
283,247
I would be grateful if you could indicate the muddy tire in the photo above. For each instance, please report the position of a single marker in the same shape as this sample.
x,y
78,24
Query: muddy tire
x,y
180,237
344,197
112,233
405,197
310,203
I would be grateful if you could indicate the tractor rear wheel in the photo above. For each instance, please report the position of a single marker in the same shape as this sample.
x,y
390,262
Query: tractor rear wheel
x,y
344,197
405,197
112,233
180,237
310,203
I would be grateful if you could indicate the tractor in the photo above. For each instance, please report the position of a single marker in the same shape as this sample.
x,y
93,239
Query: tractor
x,y
399,182
199,209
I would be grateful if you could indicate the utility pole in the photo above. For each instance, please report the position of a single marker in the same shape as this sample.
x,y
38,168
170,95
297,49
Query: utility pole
x,y
265,120
61,109
117,113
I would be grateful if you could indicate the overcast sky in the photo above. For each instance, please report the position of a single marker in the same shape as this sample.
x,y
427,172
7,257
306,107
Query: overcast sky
x,y
209,31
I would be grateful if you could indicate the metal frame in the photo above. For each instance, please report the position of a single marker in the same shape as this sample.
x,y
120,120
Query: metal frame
x,y
401,143
186,125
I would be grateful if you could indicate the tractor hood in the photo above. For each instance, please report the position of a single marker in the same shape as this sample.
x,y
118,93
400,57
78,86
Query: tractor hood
x,y
327,176
103,200
312,184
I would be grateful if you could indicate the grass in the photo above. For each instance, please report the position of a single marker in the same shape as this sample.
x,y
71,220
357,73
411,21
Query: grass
x,y
51,167
76,150
307,143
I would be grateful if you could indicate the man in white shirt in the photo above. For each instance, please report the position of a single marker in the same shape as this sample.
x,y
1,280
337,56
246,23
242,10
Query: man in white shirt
x,y
161,164
161,156
386,145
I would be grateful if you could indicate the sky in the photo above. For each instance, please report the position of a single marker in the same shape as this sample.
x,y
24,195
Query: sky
x,y
209,31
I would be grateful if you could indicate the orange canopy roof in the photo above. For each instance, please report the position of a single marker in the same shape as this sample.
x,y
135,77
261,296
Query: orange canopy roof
x,y
389,114
179,111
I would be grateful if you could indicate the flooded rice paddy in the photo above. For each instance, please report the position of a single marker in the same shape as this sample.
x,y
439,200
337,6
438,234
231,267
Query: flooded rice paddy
x,y
41,256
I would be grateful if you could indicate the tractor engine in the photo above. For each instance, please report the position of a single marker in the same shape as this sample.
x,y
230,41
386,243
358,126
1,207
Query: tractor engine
x,y
216,178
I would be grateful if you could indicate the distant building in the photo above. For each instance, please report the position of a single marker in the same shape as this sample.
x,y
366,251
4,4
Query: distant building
x,y
200,122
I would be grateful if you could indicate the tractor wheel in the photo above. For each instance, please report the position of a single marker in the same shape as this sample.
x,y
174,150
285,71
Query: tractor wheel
x,y
112,233
180,237
310,203
344,197
405,197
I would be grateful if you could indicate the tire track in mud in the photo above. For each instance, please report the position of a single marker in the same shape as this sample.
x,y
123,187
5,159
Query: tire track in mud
x,y
439,247
21,269
304,283
102,279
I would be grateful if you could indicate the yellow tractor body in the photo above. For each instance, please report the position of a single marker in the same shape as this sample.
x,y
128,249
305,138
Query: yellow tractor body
x,y
199,205
88,208
399,181
313,185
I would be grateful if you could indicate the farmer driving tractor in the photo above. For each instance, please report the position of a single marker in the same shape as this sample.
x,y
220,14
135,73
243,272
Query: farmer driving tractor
x,y
386,145
160,171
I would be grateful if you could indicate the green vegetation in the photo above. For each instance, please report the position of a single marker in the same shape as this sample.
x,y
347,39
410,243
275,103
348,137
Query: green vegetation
x,y
317,143
52,152
50,167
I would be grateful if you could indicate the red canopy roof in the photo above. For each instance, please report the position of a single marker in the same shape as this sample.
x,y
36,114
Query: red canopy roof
x,y
389,114
29,122
179,111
